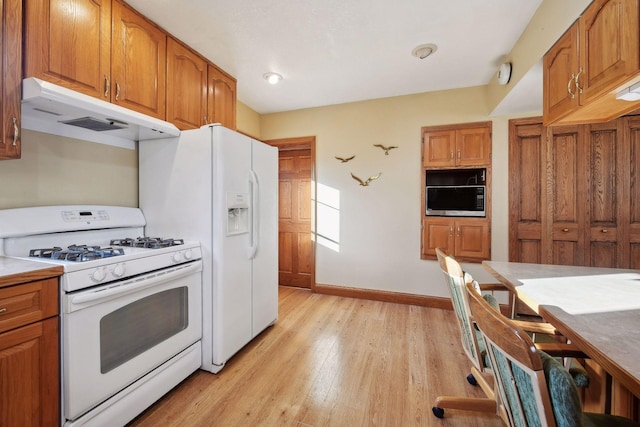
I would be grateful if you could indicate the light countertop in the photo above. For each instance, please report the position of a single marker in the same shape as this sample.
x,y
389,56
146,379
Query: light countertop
x,y
15,271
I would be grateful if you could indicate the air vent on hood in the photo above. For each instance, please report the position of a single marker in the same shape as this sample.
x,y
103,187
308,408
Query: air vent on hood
x,y
50,108
95,124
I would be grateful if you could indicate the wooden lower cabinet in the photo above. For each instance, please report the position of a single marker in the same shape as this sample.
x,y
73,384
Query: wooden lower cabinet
x,y
29,354
465,238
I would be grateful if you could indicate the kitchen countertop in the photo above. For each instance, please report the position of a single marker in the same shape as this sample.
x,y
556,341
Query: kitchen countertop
x,y
15,271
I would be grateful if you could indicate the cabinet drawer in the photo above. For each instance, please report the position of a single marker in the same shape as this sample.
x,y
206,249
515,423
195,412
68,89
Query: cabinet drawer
x,y
28,303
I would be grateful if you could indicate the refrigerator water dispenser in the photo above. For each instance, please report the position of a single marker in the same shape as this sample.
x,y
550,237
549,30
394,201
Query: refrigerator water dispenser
x,y
237,213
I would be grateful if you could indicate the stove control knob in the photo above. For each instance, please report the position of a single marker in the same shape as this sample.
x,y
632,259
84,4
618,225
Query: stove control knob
x,y
188,254
176,257
118,270
99,275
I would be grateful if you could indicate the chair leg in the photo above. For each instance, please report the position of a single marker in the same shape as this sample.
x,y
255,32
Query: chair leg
x,y
463,403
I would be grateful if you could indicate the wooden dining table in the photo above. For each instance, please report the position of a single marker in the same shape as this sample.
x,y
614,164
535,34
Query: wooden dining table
x,y
598,309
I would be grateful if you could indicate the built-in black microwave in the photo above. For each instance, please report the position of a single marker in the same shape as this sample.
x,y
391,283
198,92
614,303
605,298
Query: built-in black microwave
x,y
456,192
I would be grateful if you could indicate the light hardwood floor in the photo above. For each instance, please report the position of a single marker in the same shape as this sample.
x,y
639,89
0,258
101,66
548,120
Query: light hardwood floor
x,y
332,361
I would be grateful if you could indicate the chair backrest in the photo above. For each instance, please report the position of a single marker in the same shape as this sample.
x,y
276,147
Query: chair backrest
x,y
518,368
455,279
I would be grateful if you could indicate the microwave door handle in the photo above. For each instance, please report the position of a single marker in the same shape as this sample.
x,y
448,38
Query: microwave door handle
x,y
134,285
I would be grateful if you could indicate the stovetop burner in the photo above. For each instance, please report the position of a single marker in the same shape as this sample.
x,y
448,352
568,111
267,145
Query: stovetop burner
x,y
147,242
76,253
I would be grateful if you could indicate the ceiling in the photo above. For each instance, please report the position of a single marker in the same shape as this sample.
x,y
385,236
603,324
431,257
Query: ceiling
x,y
338,51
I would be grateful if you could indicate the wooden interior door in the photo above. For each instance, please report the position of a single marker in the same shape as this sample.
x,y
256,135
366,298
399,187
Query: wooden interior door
x,y
294,225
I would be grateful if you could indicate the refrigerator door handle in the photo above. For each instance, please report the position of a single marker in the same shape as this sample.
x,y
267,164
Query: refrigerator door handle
x,y
254,235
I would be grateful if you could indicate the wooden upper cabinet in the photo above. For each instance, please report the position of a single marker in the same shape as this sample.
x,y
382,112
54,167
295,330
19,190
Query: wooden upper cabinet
x,y
560,66
138,68
69,43
10,84
468,145
221,99
439,148
186,86
596,58
101,49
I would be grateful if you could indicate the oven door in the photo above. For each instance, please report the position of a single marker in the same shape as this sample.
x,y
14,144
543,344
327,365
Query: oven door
x,y
117,333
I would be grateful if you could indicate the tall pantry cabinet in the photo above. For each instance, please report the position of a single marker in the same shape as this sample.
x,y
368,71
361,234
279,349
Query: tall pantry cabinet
x,y
573,193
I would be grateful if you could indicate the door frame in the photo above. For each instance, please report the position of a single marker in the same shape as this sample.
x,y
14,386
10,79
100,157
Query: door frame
x,y
304,143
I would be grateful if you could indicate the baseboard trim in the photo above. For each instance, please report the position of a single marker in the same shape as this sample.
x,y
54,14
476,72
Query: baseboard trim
x,y
385,296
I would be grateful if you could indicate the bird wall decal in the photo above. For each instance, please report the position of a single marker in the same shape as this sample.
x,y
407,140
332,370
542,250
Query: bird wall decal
x,y
366,183
386,149
343,160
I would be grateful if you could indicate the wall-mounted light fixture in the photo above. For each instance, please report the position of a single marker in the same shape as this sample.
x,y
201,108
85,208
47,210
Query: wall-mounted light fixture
x,y
272,78
632,93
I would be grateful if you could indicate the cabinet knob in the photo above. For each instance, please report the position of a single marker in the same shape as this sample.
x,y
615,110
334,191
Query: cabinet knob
x,y
566,230
452,155
458,231
3,309
451,230
117,90
16,131
604,230
107,86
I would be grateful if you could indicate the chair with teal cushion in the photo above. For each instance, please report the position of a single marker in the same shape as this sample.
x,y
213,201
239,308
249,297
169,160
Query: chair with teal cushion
x,y
533,388
472,341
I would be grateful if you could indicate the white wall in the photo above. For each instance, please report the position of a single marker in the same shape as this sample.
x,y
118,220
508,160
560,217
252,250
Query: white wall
x,y
378,227
56,170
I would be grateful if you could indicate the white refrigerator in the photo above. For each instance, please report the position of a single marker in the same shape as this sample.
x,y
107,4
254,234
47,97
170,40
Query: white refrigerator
x,y
219,187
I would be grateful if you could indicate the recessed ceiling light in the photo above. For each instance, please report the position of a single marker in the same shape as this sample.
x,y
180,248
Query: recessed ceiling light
x,y
424,50
273,78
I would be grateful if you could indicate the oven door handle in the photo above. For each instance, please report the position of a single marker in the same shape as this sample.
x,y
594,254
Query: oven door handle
x,y
137,283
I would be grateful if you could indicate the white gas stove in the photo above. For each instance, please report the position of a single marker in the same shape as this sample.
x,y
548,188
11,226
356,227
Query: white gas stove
x,y
131,316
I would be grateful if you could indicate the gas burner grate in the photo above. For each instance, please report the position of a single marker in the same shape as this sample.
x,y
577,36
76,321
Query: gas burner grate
x,y
76,253
147,242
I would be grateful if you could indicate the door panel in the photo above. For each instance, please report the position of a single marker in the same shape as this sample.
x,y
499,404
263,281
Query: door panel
x,y
295,218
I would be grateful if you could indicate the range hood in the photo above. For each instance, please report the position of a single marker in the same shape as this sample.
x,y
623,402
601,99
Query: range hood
x,y
50,108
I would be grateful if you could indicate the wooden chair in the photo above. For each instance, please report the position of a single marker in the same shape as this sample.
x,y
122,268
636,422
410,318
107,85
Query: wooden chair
x,y
533,388
454,277
473,343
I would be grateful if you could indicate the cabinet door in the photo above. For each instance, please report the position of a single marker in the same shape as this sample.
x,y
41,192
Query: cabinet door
x,y
472,239
29,373
527,198
566,194
473,147
438,148
632,205
560,65
221,105
605,219
11,68
138,69
186,86
437,233
68,42
609,46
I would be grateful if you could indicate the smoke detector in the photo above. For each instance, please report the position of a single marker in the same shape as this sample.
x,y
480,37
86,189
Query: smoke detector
x,y
424,50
